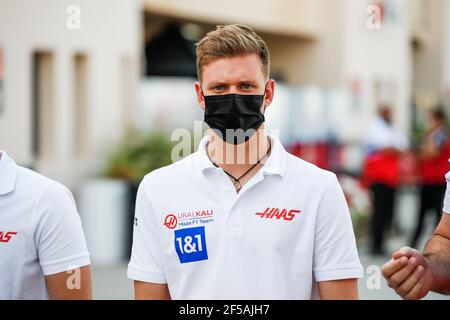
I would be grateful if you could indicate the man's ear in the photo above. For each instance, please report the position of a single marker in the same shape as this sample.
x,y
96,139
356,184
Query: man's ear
x,y
270,92
200,98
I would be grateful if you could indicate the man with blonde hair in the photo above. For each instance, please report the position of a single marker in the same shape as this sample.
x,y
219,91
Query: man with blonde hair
x,y
241,218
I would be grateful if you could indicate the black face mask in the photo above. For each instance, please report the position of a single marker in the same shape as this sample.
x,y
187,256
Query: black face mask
x,y
234,117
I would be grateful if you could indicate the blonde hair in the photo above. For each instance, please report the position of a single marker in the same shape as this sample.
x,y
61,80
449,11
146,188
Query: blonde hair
x,y
230,41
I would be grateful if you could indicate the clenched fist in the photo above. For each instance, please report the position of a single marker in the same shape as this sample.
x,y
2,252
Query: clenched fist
x,y
408,274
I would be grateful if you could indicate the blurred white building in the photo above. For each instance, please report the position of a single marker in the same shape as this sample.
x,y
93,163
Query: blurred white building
x,y
70,73
69,93
430,52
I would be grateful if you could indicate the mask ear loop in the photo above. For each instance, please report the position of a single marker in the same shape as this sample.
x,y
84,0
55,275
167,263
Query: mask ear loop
x,y
264,95
201,89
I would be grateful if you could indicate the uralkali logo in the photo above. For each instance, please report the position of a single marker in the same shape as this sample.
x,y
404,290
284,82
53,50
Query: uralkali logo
x,y
189,218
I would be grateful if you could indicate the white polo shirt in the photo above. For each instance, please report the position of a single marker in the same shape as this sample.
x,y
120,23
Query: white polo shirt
x,y
287,229
40,232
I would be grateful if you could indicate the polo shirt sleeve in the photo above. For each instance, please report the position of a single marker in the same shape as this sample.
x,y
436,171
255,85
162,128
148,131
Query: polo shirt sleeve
x,y
446,207
59,237
335,252
146,263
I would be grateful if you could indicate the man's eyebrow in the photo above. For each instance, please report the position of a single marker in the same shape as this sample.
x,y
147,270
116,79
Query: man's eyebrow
x,y
215,83
224,83
248,81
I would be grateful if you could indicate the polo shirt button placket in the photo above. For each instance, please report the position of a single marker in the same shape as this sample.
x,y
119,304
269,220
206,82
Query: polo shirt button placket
x,y
233,219
227,184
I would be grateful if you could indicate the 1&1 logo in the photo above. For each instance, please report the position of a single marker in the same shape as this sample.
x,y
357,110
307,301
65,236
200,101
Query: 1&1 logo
x,y
190,244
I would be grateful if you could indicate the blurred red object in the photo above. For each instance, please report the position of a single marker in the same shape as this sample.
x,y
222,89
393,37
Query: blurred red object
x,y
409,166
406,168
324,155
433,170
381,167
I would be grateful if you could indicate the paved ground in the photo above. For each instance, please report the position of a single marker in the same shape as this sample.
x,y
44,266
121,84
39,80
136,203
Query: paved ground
x,y
112,283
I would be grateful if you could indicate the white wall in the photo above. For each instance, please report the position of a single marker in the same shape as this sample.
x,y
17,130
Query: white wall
x,y
315,61
298,18
446,50
110,31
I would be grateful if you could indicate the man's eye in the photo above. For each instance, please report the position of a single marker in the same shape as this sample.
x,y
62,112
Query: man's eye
x,y
219,88
246,86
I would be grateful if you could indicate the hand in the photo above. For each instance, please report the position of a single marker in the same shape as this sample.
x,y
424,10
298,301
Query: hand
x,y
408,274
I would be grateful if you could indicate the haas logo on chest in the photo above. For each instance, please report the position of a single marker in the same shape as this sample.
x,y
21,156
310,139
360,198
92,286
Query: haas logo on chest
x,y
278,214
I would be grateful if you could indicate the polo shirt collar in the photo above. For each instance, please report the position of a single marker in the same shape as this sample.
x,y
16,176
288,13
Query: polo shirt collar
x,y
275,164
8,174
204,161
